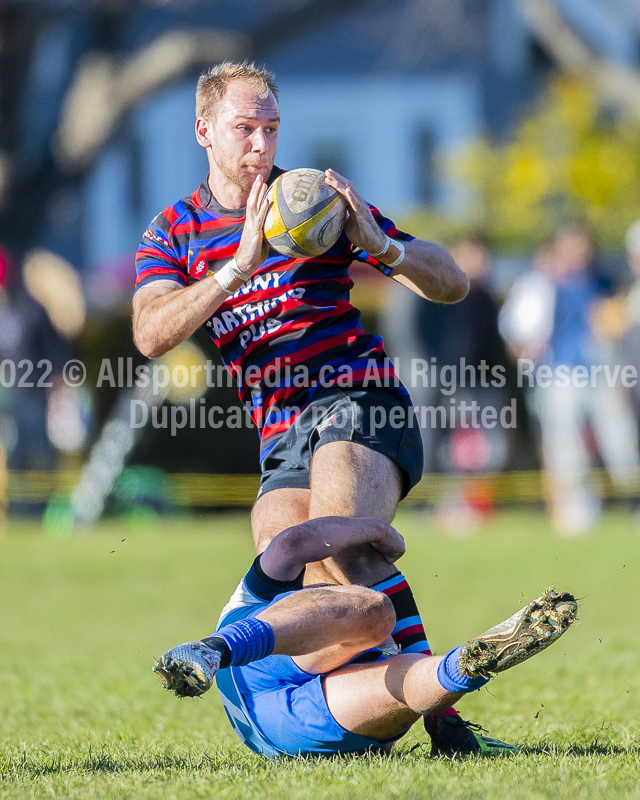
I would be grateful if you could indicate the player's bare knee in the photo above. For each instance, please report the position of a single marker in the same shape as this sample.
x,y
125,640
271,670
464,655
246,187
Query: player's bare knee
x,y
262,527
277,511
373,614
261,540
385,614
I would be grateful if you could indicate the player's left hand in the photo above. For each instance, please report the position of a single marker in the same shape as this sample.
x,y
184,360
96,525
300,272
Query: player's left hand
x,y
361,228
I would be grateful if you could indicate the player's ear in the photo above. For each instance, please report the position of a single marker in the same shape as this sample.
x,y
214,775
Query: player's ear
x,y
204,129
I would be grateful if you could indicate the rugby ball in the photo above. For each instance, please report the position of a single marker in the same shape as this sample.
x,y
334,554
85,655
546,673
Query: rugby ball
x,y
305,216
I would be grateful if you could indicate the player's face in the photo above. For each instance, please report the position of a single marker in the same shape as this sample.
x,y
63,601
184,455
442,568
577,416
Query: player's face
x,y
245,134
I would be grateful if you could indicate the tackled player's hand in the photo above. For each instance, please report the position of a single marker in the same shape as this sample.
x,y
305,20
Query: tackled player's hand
x,y
390,544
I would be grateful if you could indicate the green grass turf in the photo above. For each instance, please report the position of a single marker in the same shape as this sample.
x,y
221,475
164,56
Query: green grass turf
x,y
82,715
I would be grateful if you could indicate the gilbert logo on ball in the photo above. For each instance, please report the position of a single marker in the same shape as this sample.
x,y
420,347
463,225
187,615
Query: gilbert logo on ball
x,y
305,216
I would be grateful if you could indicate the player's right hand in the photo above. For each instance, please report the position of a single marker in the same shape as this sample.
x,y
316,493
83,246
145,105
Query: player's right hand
x,y
254,248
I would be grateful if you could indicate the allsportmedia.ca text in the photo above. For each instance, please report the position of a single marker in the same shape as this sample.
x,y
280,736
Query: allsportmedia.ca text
x,y
419,373
160,379
280,373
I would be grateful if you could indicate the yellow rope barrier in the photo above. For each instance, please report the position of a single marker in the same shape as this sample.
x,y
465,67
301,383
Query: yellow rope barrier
x,y
208,490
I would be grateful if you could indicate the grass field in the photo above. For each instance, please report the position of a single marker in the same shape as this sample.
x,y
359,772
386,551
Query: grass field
x,y
82,715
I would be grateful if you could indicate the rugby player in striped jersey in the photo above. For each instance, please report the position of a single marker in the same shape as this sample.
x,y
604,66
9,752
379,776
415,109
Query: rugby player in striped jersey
x,y
204,261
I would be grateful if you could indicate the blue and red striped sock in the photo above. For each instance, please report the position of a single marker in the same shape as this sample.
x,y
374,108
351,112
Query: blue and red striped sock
x,y
408,633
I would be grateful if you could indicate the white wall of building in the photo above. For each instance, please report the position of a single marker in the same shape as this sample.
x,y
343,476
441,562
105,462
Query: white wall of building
x,y
377,123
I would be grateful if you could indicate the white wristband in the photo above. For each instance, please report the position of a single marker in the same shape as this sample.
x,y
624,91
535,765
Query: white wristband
x,y
384,249
229,273
400,258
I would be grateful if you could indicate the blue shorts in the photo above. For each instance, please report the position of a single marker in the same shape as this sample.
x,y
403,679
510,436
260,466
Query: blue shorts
x,y
283,711
277,709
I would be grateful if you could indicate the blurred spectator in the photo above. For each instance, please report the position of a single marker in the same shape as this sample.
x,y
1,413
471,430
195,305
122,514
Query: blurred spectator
x,y
526,318
621,323
462,335
550,316
618,319
28,345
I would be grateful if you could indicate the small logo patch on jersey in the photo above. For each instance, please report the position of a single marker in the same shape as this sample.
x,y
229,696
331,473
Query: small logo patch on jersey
x,y
198,267
149,234
326,423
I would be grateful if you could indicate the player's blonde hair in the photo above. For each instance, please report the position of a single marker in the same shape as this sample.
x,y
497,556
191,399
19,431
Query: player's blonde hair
x,y
213,84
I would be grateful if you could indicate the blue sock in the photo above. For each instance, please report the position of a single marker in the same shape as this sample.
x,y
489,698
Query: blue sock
x,y
245,641
450,678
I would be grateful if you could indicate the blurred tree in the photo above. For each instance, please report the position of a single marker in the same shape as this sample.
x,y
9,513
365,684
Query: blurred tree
x,y
70,70
576,155
68,73
567,160
617,84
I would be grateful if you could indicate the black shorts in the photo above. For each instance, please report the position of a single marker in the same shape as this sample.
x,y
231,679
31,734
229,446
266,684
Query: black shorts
x,y
379,419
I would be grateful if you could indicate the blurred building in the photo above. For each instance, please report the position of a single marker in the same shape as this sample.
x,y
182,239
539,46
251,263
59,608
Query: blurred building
x,y
384,92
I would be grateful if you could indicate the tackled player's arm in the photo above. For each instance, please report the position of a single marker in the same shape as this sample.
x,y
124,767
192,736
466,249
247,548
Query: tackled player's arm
x,y
316,539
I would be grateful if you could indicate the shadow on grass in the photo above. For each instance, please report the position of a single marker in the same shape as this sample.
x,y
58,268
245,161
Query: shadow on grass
x,y
37,765
580,750
34,765
565,750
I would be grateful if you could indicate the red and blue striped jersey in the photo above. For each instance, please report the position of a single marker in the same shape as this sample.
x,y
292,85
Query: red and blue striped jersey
x,y
290,331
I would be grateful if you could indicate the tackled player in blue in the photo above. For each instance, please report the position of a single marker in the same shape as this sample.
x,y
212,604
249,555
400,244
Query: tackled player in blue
x,y
314,671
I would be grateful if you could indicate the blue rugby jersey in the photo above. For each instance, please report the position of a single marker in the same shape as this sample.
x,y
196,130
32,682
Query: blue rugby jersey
x,y
254,593
290,312
275,707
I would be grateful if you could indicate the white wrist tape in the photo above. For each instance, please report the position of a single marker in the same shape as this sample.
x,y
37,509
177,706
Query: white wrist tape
x,y
400,258
384,249
229,273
